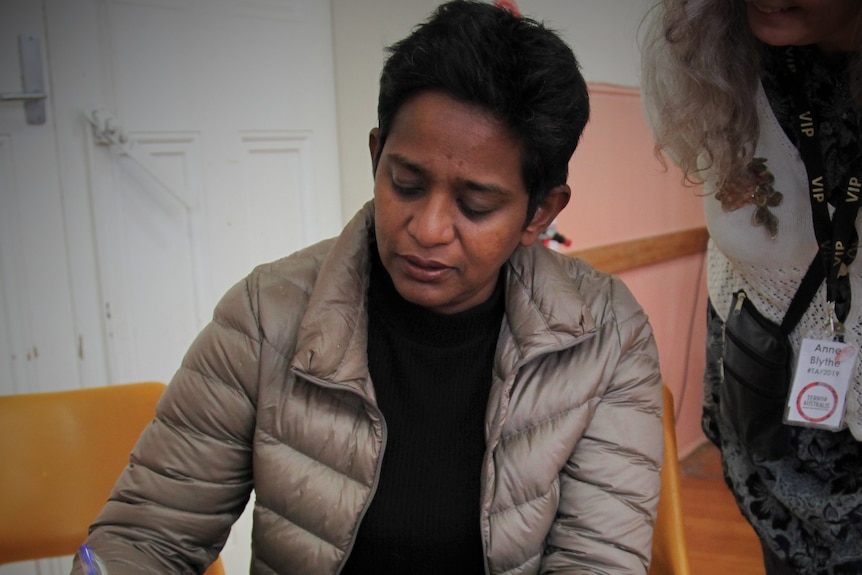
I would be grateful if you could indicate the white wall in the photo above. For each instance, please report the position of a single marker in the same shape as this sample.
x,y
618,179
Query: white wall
x,y
602,34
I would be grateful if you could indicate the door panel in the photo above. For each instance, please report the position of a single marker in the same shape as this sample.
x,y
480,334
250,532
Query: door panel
x,y
38,336
150,239
277,172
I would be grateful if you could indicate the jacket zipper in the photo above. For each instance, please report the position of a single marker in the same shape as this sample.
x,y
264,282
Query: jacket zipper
x,y
506,393
378,464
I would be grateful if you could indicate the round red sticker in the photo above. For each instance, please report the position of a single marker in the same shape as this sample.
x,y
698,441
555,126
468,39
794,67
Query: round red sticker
x,y
817,402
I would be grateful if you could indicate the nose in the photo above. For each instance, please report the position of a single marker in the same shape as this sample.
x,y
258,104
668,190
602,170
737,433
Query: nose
x,y
432,222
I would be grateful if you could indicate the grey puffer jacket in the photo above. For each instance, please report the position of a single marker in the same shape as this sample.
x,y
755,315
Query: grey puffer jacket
x,y
274,395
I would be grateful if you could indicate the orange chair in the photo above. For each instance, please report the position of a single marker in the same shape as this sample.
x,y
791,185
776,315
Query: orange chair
x,y
61,454
669,551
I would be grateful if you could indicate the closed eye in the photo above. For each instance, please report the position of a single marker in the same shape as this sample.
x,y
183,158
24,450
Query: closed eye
x,y
406,191
472,212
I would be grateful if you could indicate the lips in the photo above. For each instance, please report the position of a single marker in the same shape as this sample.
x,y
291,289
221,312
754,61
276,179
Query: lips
x,y
765,9
424,270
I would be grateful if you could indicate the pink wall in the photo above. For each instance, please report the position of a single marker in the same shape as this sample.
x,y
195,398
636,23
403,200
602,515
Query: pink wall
x,y
620,192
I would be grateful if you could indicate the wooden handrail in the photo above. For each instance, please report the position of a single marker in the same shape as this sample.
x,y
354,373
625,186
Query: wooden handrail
x,y
623,256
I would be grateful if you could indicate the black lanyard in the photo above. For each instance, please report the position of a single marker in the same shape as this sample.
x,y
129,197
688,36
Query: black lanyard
x,y
836,237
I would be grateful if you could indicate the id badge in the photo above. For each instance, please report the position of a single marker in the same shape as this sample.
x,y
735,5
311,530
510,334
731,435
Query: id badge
x,y
820,383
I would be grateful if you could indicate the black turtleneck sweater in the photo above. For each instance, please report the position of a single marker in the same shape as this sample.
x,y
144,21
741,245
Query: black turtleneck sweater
x,y
432,376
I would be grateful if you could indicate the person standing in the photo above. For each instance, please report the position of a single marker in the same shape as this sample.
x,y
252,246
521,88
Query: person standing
x,y
761,102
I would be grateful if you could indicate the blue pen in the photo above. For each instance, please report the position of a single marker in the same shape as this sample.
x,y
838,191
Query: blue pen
x,y
90,561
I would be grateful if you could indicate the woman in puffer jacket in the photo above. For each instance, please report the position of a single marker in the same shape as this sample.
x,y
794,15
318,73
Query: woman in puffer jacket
x,y
433,391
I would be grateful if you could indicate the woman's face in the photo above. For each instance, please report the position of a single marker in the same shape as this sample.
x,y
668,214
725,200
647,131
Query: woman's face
x,y
450,202
832,25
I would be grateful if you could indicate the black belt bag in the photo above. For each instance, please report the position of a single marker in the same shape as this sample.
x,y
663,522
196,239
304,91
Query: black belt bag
x,y
757,370
758,365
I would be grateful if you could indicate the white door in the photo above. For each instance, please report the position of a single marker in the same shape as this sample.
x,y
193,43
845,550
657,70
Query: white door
x,y
223,156
37,335
212,149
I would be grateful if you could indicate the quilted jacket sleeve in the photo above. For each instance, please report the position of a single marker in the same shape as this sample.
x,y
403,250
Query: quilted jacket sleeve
x,y
190,473
609,488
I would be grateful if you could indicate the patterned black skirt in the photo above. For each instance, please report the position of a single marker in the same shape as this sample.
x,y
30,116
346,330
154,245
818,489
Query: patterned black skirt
x,y
806,507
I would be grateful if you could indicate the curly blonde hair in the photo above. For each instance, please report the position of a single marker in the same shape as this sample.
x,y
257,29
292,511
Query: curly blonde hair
x,y
700,74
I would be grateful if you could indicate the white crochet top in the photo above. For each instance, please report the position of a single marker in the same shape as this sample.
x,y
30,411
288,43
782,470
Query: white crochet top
x,y
743,256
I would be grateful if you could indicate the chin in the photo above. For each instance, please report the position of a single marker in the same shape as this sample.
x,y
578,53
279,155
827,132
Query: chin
x,y
417,295
436,302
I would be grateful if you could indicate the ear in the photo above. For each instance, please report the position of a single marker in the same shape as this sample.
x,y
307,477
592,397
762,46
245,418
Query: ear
x,y
548,210
374,148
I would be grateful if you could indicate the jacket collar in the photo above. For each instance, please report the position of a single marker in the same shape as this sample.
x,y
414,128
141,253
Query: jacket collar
x,y
544,310
332,338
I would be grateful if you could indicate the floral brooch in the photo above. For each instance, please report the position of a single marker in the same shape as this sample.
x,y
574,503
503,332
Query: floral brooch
x,y
763,195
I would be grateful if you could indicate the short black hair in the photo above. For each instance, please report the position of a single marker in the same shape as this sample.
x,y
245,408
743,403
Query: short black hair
x,y
522,72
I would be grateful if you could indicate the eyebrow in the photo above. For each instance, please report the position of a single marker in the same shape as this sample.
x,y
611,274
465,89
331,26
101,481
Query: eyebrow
x,y
405,163
471,185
